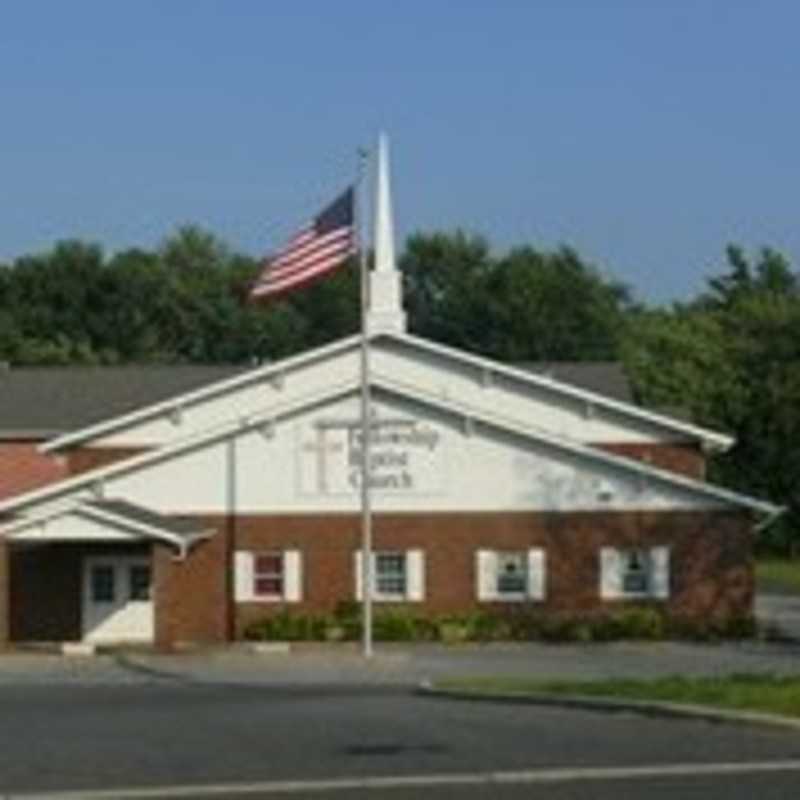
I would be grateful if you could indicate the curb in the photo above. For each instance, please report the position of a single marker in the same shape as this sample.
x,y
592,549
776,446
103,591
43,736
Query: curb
x,y
649,708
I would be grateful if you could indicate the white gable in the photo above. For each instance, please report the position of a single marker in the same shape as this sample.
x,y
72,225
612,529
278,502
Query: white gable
x,y
425,459
72,526
538,402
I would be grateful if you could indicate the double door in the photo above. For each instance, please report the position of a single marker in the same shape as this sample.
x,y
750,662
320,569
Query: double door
x,y
117,599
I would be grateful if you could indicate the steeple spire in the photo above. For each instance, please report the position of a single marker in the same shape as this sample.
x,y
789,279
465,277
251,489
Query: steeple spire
x,y
385,311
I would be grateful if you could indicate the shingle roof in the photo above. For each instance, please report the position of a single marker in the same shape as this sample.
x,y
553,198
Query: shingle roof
x,y
186,528
41,402
607,378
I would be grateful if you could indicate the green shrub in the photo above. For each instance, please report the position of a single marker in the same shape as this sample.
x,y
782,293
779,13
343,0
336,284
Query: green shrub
x,y
641,623
738,627
400,625
394,626
347,610
453,629
287,627
485,627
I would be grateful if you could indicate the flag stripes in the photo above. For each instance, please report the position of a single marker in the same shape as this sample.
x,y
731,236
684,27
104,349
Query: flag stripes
x,y
316,250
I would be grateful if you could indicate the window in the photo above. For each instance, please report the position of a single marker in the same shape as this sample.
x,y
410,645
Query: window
x,y
139,582
103,584
268,575
397,576
635,571
390,574
511,573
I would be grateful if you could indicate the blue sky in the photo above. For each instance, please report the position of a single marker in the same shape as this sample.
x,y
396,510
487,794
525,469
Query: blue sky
x,y
645,134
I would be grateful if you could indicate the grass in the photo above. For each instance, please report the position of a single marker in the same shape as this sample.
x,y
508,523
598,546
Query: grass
x,y
767,693
778,575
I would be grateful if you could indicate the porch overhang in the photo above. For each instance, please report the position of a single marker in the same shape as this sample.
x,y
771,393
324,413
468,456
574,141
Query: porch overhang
x,y
105,521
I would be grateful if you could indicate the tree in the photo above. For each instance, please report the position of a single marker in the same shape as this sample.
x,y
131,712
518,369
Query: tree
x,y
445,277
553,307
732,358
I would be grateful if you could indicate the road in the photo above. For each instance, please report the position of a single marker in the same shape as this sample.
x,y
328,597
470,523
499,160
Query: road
x,y
80,739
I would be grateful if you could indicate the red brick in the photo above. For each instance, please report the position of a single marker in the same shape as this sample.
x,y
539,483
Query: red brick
x,y
684,459
82,459
23,468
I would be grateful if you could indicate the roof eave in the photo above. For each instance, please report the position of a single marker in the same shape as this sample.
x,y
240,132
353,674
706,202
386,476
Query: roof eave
x,y
249,376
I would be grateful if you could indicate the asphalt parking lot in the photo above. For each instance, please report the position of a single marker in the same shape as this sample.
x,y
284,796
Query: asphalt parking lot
x,y
113,738
228,723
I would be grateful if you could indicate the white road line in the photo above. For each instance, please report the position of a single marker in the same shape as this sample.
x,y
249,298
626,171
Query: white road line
x,y
531,776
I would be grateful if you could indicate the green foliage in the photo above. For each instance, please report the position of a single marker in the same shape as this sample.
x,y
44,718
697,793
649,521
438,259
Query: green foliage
x,y
185,302
527,305
770,693
731,359
288,627
402,625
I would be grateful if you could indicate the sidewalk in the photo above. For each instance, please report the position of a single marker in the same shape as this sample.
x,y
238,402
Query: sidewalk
x,y
400,665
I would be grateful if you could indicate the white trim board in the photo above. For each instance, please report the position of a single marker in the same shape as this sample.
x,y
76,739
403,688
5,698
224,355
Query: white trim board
x,y
462,411
483,366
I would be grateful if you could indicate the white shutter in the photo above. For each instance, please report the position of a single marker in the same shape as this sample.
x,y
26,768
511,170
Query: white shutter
x,y
358,574
242,576
659,575
486,574
610,573
292,576
536,574
415,575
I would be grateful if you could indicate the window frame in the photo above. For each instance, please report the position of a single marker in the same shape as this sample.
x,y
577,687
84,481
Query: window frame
x,y
625,554
395,596
518,594
279,576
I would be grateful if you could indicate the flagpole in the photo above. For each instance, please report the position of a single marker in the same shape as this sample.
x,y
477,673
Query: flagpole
x,y
366,421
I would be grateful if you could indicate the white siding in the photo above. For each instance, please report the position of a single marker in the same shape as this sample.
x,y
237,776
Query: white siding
x,y
428,372
466,470
74,527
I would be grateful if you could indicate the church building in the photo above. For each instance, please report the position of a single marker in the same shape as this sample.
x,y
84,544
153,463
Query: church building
x,y
218,499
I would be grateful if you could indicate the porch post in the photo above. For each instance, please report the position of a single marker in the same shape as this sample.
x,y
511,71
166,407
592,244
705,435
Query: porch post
x,y
5,587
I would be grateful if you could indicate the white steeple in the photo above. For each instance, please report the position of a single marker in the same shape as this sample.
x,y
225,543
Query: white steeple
x,y
385,312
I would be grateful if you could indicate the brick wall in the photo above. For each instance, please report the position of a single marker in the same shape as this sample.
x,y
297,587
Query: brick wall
x,y
192,596
711,567
82,459
711,559
685,459
23,468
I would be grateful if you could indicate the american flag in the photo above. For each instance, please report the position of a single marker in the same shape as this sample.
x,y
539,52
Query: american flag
x,y
316,250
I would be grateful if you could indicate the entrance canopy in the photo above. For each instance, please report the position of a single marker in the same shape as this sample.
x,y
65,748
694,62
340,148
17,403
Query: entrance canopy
x,y
106,521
